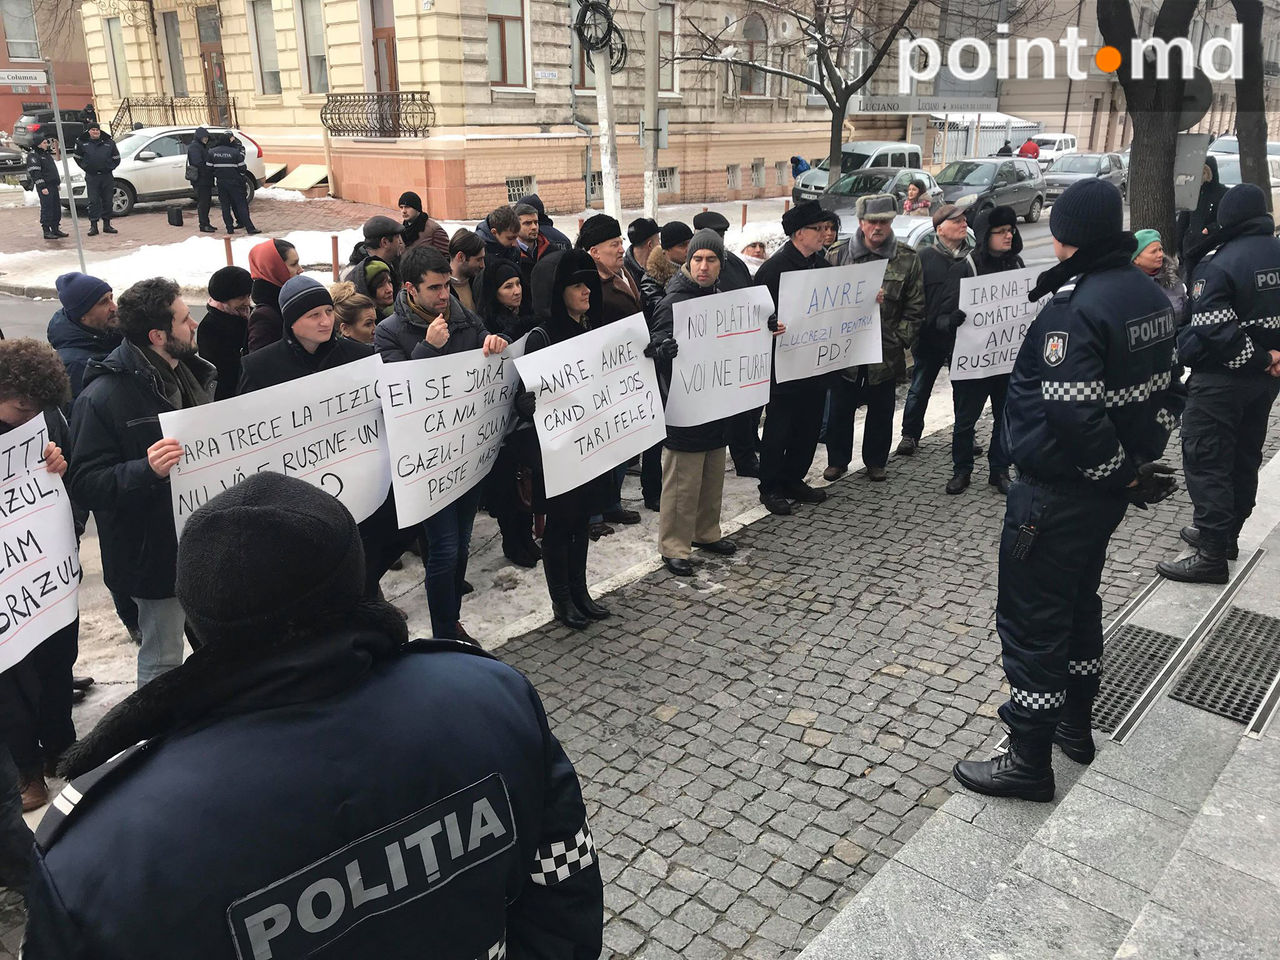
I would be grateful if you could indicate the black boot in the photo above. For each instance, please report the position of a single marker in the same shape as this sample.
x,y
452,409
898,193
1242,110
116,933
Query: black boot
x,y
1025,773
1207,565
93,228
1191,536
1074,733
555,563
59,234
49,233
578,579
108,228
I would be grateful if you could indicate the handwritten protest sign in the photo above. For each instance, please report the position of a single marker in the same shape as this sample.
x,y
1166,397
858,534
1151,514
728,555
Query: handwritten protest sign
x,y
325,429
446,418
597,402
997,315
39,557
726,354
832,319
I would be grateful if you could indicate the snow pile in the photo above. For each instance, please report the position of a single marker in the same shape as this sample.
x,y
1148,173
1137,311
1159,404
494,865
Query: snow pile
x,y
275,193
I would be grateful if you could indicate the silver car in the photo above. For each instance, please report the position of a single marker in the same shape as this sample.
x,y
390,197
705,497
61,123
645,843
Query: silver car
x,y
1074,167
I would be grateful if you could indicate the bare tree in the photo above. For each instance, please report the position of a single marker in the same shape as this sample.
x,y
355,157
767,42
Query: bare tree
x,y
1251,110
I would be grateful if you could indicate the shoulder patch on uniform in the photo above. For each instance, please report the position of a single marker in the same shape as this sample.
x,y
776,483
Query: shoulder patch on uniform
x,y
1055,347
1267,279
1197,288
299,915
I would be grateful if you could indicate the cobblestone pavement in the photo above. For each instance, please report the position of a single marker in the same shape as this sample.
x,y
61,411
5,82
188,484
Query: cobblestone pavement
x,y
755,745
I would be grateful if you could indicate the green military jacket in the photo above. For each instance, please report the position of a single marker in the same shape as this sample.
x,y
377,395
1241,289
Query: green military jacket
x,y
902,311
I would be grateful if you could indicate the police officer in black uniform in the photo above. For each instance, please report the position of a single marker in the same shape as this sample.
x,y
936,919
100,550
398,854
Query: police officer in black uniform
x,y
200,176
1089,411
309,784
225,158
1232,347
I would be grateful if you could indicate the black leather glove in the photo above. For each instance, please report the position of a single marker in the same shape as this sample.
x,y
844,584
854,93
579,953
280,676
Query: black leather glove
x,y
526,403
773,324
1155,483
664,349
958,317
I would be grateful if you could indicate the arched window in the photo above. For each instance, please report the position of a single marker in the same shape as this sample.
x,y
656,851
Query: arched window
x,y
755,49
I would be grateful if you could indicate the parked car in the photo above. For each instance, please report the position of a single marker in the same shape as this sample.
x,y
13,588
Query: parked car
x,y
34,125
1053,145
1074,167
996,181
1230,175
855,156
1230,146
153,165
842,195
12,160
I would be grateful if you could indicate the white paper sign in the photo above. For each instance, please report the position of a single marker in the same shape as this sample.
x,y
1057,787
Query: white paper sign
x,y
446,417
597,402
726,355
325,428
832,319
39,557
997,315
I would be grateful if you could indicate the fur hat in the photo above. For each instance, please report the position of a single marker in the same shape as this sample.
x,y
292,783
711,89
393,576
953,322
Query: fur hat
x,y
230,282
877,206
598,229
803,214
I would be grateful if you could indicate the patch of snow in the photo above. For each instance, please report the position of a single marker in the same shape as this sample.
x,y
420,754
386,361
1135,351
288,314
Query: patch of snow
x,y
276,193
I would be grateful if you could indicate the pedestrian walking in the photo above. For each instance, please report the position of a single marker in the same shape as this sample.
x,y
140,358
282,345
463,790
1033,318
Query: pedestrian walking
x,y
418,226
1029,149
42,171
120,460
874,385
1006,149
225,157
223,332
312,695
1232,347
200,175
1088,416
798,166
272,264
97,155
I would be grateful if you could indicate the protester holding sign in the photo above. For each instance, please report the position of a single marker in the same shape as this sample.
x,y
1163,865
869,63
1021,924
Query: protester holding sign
x,y
574,308
120,462
36,692
901,313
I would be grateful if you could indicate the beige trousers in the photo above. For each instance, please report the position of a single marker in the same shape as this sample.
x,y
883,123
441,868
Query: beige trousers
x,y
692,487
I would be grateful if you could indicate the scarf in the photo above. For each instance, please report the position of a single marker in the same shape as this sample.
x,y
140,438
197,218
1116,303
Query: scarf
x,y
421,314
265,263
1114,251
178,384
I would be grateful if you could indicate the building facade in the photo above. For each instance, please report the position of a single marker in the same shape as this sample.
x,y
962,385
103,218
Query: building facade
x,y
30,31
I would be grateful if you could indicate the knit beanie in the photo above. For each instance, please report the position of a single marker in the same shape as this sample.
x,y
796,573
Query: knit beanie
x,y
79,292
706,239
1145,239
803,214
1088,212
673,234
373,270
229,283
598,229
410,199
710,220
266,554
639,231
301,295
1242,202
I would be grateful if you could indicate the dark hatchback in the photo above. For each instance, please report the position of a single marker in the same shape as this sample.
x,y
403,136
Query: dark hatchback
x,y
34,125
996,181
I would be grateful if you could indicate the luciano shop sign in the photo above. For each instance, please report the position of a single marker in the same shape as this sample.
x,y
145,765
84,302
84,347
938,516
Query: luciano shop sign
x,y
918,104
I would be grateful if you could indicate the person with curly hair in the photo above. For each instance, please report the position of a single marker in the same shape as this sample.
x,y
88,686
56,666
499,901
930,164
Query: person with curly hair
x,y
36,693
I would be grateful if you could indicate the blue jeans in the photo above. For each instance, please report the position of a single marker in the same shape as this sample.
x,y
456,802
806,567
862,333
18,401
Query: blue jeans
x,y
162,624
928,364
448,546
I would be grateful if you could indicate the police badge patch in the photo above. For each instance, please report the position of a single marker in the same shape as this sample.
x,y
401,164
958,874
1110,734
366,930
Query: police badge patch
x,y
1055,348
1197,289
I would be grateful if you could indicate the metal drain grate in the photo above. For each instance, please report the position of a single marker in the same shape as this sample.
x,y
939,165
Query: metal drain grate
x,y
1235,667
1130,661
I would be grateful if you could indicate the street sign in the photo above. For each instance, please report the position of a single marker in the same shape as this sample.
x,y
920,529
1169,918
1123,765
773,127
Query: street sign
x,y
38,77
918,104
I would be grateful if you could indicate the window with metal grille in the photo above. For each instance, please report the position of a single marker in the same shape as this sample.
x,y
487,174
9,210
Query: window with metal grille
x,y
735,176
518,187
780,173
757,172
597,185
668,180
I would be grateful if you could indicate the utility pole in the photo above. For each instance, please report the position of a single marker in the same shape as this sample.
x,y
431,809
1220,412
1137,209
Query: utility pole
x,y
608,135
651,68
66,167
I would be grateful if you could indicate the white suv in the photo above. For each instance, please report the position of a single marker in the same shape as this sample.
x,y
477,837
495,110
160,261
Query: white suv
x,y
153,166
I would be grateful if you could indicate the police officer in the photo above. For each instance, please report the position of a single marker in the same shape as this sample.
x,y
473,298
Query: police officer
x,y
200,177
226,159
328,788
1089,412
1232,346
42,171
97,155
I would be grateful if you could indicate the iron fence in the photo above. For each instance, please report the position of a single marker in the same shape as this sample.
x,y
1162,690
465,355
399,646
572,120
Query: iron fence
x,y
174,112
385,115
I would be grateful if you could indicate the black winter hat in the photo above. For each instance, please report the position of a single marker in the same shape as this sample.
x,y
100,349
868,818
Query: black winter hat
x,y
1088,212
803,214
1242,202
598,229
229,283
674,233
710,220
639,231
410,199
268,553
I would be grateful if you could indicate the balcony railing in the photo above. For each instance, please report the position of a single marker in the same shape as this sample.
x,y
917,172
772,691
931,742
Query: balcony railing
x,y
1271,68
174,112
387,115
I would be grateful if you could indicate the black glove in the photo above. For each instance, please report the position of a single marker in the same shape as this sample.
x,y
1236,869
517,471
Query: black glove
x,y
1155,483
664,349
526,403
773,324
958,317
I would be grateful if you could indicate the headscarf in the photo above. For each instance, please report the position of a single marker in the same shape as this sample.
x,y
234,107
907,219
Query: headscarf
x,y
265,263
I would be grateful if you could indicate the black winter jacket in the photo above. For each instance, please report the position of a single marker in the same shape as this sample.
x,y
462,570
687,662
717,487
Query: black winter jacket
x,y
266,324
403,335
286,360
113,423
77,345
705,436
493,250
42,170
221,339
633,266
769,275
198,155
734,273
226,161
942,272
96,156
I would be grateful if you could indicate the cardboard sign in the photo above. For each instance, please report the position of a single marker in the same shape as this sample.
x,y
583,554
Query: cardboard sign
x,y
832,319
446,418
39,556
997,315
326,429
597,402
725,358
